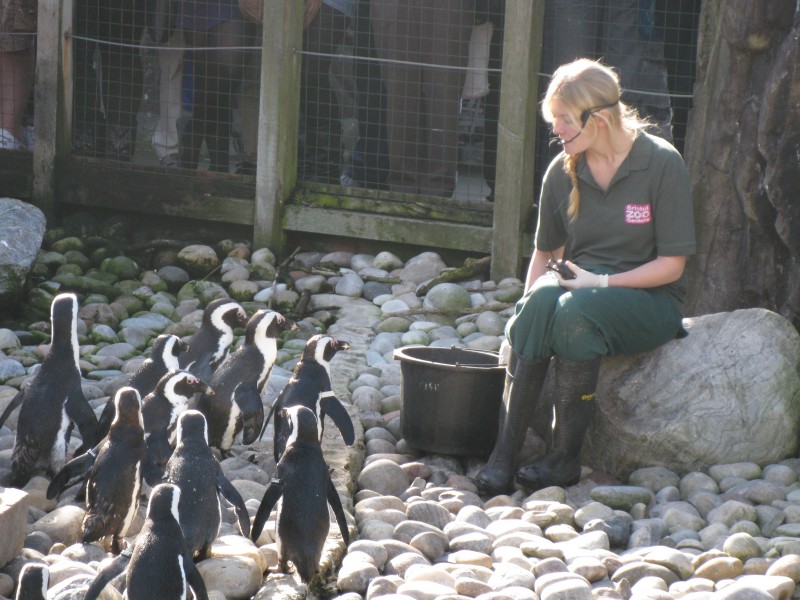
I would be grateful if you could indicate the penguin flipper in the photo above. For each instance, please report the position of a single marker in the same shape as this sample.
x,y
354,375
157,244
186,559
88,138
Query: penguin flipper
x,y
151,473
77,467
331,406
232,495
275,406
271,496
14,404
338,511
106,418
248,399
158,447
107,573
79,411
194,579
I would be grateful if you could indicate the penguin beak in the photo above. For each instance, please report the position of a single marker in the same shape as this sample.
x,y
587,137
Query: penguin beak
x,y
204,388
342,345
289,325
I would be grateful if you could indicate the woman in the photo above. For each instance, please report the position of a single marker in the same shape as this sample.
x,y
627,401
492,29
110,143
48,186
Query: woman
x,y
616,207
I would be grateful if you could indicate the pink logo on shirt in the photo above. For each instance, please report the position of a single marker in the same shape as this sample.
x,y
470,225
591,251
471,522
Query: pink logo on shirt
x,y
638,214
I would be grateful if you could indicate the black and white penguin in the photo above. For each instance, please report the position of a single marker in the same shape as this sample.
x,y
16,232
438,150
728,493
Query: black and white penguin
x,y
53,402
303,482
236,405
210,345
159,567
33,581
196,471
163,359
162,407
310,386
116,468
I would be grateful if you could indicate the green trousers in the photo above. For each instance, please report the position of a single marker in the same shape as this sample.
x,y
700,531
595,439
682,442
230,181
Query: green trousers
x,y
590,322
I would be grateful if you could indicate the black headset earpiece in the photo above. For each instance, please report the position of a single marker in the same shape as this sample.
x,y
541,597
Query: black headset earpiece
x,y
585,117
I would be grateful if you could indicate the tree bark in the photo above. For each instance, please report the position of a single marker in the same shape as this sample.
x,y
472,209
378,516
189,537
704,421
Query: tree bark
x,y
743,154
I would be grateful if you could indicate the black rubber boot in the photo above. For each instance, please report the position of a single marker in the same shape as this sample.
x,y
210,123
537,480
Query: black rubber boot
x,y
524,381
575,385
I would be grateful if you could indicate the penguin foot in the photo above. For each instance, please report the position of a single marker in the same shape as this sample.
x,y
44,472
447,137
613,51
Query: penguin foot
x,y
551,470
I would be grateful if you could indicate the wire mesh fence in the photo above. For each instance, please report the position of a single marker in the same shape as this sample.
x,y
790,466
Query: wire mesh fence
x,y
17,57
395,95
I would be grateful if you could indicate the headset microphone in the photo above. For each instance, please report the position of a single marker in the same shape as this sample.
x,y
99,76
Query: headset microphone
x,y
585,115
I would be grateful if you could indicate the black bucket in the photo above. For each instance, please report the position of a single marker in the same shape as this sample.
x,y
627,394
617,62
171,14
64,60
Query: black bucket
x,y
451,399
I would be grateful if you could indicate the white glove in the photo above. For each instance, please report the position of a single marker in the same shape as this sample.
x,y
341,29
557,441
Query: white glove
x,y
583,279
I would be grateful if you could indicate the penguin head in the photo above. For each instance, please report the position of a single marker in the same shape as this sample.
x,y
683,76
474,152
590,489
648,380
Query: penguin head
x,y
64,321
223,314
179,386
167,347
322,348
33,582
267,324
163,502
302,425
129,407
192,425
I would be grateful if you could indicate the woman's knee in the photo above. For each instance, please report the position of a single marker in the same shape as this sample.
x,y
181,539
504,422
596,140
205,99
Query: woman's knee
x,y
575,335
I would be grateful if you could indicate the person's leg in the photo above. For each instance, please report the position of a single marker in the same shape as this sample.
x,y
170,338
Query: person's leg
x,y
223,73
320,154
587,325
446,26
123,77
634,46
17,23
166,141
396,29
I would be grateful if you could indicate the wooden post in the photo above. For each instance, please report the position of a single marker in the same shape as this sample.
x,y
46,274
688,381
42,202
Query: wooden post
x,y
516,134
52,99
278,119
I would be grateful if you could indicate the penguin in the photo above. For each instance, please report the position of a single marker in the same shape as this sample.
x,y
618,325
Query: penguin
x,y
162,407
310,386
210,345
303,483
195,470
236,405
163,359
116,468
159,566
33,581
53,402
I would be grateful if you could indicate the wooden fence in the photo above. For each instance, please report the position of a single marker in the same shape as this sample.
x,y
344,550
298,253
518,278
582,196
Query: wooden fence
x,y
54,177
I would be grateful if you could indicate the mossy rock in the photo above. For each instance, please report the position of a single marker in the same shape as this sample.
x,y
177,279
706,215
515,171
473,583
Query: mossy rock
x,y
122,266
67,244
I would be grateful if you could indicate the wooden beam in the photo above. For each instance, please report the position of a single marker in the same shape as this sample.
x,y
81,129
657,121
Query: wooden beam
x,y
516,134
52,98
434,234
278,118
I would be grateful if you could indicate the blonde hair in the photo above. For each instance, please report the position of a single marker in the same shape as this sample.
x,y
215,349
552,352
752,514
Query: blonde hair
x,y
588,85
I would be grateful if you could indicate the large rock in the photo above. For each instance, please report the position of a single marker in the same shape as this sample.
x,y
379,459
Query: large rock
x,y
729,392
13,513
22,228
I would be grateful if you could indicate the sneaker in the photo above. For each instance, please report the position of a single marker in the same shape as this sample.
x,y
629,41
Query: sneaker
x,y
170,161
9,142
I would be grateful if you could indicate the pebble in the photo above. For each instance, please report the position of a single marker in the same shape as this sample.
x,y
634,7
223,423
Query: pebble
x,y
732,530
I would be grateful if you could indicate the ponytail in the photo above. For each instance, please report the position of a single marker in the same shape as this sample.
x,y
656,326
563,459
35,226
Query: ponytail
x,y
571,169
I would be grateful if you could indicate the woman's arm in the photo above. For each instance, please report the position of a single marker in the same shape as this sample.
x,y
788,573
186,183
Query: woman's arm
x,y
660,271
538,265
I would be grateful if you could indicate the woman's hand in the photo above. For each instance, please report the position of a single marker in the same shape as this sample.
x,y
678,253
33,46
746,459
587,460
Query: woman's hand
x,y
583,278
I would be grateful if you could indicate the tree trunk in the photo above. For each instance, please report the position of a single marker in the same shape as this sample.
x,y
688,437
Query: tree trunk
x,y
743,154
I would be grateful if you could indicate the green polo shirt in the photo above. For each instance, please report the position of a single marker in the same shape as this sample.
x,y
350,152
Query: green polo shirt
x,y
646,212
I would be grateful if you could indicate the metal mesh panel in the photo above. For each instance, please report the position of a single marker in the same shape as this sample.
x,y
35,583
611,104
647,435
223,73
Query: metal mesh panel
x,y
166,82
398,95
650,43
17,55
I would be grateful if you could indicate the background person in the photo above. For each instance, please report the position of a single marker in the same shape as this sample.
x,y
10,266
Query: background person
x,y
616,203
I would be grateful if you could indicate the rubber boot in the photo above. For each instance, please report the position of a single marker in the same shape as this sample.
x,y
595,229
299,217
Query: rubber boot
x,y
524,381
574,406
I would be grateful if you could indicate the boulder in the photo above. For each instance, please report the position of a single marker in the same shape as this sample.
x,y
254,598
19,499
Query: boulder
x,y
728,392
22,228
